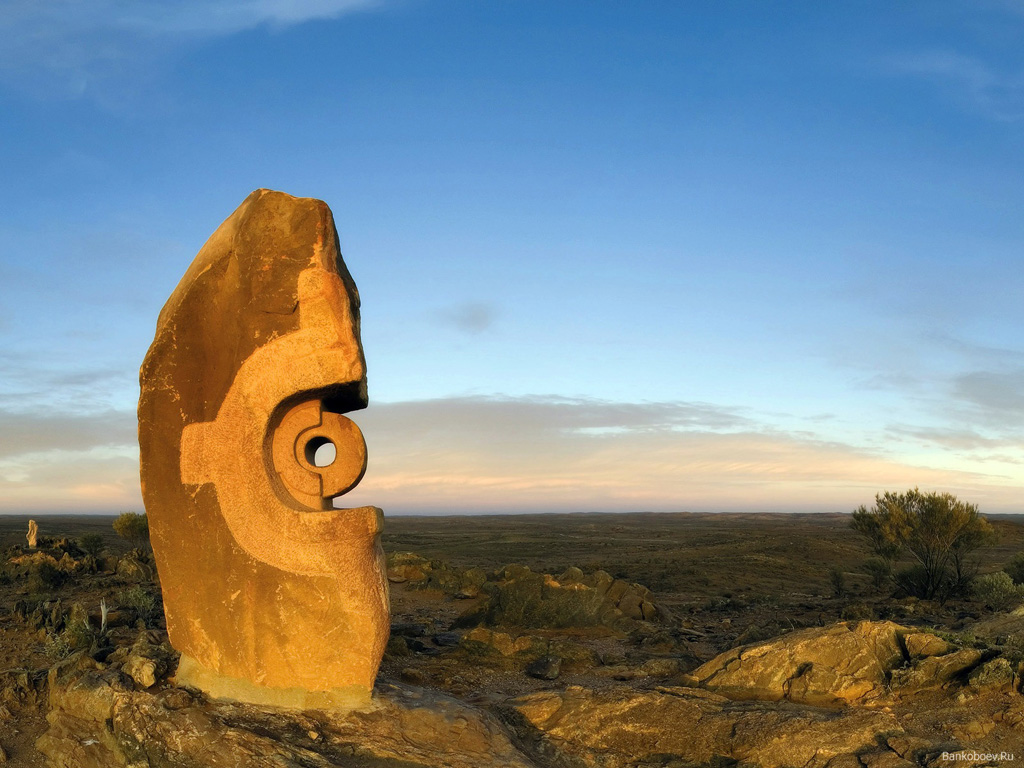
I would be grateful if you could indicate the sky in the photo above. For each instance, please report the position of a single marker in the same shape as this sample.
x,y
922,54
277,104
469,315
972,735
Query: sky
x,y
703,256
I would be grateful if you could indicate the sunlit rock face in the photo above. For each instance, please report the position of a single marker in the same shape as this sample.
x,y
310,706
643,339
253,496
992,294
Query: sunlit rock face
x,y
270,593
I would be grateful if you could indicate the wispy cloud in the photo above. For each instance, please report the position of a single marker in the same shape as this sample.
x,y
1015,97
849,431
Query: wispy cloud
x,y
480,454
470,317
995,397
69,43
94,480
968,81
24,433
495,454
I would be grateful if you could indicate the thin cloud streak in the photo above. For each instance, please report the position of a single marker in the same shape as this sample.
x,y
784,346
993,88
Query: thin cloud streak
x,y
472,317
968,81
503,454
476,454
73,44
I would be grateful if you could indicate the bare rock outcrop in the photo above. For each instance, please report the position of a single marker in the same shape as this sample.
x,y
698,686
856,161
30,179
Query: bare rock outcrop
x,y
620,726
843,663
862,695
100,719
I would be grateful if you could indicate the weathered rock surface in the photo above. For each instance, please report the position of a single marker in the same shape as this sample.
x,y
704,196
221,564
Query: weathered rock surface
x,y
101,716
99,720
268,590
921,645
840,664
620,727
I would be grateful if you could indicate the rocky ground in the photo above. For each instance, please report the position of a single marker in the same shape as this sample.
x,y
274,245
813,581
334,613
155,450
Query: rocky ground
x,y
499,664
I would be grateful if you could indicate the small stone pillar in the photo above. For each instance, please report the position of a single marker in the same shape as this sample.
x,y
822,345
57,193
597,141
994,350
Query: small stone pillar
x,y
33,534
271,594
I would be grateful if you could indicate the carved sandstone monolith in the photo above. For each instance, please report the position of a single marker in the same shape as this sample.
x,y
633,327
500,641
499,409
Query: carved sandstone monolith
x,y
33,534
271,594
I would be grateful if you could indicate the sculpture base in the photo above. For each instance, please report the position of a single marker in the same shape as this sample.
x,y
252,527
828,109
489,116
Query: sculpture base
x,y
192,674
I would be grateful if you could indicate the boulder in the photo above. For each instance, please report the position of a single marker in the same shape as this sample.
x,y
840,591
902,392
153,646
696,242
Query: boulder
x,y
920,645
840,664
994,674
501,642
133,569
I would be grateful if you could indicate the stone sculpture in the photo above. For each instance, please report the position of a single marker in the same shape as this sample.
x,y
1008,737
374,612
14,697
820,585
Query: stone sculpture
x,y
33,534
270,593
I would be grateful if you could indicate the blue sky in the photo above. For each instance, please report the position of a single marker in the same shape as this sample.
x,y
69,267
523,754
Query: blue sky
x,y
612,256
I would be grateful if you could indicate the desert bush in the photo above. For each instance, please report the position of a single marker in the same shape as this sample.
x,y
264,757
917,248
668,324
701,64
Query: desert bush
x,y
77,635
142,601
936,532
1015,568
44,577
92,544
837,580
132,527
913,580
879,570
998,591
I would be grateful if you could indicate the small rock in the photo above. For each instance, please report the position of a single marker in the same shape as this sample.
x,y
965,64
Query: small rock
x,y
994,674
447,638
418,645
545,668
146,662
613,657
408,629
397,646
412,676
503,643
177,699
142,670
660,667
572,575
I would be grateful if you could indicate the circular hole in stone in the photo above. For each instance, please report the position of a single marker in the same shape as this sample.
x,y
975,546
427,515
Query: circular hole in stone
x,y
321,452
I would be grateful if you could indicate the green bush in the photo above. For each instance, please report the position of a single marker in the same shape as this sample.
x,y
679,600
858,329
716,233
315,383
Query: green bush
x,y
133,527
837,580
44,578
92,544
936,532
1015,568
880,571
76,636
142,601
998,591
